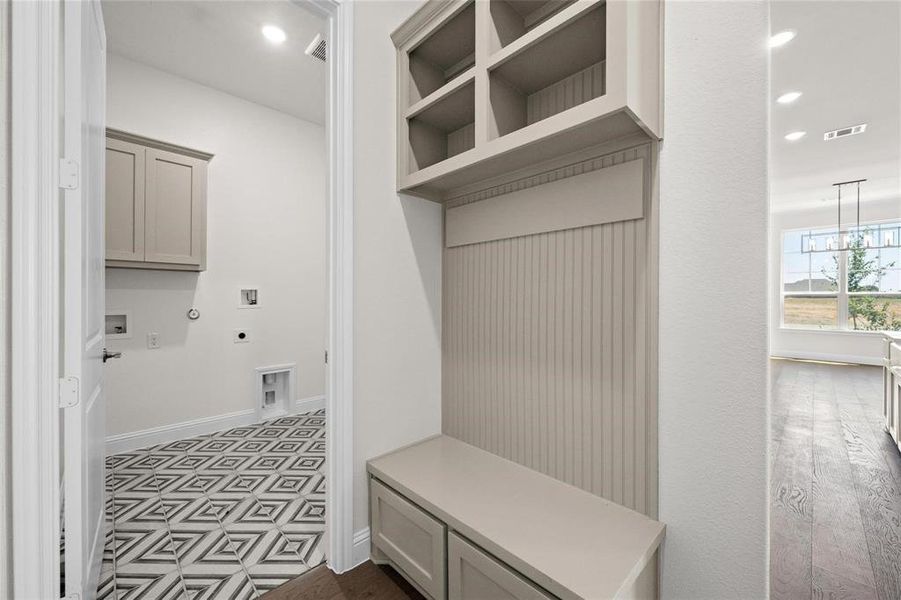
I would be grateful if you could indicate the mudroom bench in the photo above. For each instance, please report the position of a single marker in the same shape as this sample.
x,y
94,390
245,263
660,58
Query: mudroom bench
x,y
464,524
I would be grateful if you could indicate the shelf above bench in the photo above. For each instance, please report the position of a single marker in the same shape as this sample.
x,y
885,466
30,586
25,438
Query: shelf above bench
x,y
544,79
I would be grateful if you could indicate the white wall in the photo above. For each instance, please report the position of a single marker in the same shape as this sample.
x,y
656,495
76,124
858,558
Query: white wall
x,y
713,298
5,468
266,227
849,346
397,253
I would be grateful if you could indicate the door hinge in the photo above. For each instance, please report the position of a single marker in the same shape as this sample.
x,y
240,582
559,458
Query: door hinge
x,y
326,357
68,174
68,392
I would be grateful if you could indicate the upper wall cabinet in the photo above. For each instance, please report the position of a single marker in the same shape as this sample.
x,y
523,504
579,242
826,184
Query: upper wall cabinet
x,y
490,87
155,204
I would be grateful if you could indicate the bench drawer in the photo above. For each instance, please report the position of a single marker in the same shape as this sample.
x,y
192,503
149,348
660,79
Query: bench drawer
x,y
474,575
411,538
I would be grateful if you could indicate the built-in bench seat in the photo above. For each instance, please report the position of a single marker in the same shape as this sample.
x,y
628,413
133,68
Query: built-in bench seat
x,y
465,524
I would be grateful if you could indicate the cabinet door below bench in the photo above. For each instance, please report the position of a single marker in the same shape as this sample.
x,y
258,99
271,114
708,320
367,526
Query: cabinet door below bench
x,y
474,575
411,538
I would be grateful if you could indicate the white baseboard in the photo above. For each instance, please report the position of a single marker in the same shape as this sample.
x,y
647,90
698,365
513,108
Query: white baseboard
x,y
135,440
361,547
305,405
841,358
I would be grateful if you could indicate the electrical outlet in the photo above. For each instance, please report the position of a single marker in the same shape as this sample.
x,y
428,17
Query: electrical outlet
x,y
242,336
153,341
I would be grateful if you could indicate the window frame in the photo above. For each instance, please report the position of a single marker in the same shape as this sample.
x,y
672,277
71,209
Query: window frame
x,y
842,295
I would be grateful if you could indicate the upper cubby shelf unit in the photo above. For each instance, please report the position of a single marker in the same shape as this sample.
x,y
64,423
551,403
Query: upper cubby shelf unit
x,y
491,87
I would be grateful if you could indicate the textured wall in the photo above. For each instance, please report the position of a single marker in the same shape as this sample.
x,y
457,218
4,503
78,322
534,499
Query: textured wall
x,y
5,528
713,299
550,349
397,270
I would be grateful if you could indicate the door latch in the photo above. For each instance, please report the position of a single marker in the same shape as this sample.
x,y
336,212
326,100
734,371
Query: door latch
x,y
108,355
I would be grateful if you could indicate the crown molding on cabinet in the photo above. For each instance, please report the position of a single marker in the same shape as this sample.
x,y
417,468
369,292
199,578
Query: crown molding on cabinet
x,y
134,138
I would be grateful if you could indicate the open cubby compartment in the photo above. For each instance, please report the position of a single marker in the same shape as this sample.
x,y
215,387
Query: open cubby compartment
x,y
556,73
511,19
442,129
448,51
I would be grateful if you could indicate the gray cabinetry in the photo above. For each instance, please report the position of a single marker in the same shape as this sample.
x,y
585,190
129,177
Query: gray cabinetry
x,y
155,204
411,538
474,575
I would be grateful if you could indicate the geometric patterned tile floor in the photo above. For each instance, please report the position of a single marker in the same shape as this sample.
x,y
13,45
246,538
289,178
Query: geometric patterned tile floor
x,y
229,515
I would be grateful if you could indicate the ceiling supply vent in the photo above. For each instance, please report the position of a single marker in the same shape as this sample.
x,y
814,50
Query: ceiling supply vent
x,y
845,132
316,49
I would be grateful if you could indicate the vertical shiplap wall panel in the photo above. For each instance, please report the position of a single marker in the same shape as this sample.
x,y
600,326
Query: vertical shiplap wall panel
x,y
585,85
550,347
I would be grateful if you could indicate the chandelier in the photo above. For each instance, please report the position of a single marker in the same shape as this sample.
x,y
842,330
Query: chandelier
x,y
851,237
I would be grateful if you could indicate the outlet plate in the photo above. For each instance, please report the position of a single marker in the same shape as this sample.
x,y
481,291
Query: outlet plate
x,y
241,336
153,341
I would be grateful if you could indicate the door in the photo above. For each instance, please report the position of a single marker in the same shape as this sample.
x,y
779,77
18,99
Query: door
x,y
83,263
174,207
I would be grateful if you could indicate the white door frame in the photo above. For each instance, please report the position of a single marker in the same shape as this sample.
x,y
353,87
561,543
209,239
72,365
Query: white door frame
x,y
35,296
339,387
35,302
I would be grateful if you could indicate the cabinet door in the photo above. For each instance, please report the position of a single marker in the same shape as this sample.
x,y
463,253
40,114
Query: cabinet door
x,y
474,575
887,392
124,200
175,208
894,408
411,538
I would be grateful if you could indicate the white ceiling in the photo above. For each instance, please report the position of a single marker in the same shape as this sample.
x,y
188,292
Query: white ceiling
x,y
218,44
846,59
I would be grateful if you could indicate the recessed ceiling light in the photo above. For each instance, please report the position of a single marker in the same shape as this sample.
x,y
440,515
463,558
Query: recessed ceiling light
x,y
781,38
274,34
794,136
788,98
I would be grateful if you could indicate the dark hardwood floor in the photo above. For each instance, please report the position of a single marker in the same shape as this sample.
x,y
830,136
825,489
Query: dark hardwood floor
x,y
835,520
368,581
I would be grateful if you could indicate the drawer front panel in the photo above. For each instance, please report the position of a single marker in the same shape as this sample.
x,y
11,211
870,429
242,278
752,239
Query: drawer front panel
x,y
474,575
414,540
888,389
894,410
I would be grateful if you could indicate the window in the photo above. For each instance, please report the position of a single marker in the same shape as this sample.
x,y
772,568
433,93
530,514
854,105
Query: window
x,y
855,289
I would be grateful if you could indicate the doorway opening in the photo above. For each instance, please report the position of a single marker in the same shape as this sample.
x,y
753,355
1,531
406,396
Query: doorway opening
x,y
216,246
835,299
58,98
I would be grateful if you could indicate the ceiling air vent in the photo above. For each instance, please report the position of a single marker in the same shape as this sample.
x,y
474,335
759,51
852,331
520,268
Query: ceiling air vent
x,y
845,132
316,49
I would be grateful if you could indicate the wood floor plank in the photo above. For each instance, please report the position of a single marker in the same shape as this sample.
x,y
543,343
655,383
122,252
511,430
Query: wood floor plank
x,y
366,582
880,499
829,586
790,566
838,541
840,536
790,489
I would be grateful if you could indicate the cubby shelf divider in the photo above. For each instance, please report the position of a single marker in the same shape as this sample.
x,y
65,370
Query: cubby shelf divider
x,y
491,87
